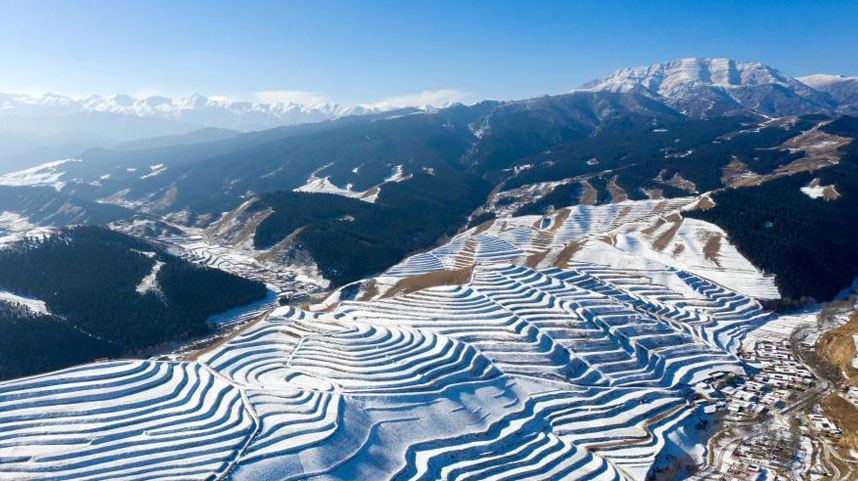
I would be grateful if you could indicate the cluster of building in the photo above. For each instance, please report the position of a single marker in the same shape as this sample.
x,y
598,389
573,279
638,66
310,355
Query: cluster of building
x,y
780,379
824,425
760,457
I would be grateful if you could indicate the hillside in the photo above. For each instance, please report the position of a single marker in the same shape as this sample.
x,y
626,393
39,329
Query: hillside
x,y
581,372
590,286
706,87
408,179
807,241
119,293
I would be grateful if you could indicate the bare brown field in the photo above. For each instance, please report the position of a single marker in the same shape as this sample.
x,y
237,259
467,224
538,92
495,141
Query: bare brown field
x,y
665,238
370,290
484,226
533,260
617,192
737,172
705,203
711,249
829,192
677,181
560,218
838,348
371,192
845,415
589,195
430,279
820,149
654,226
566,254
654,194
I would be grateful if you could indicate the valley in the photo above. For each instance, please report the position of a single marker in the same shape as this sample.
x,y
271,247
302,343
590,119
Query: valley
x,y
542,360
648,278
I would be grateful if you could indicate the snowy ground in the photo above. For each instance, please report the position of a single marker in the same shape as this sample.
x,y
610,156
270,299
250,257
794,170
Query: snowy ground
x,y
578,373
646,235
543,364
35,305
14,227
323,185
47,174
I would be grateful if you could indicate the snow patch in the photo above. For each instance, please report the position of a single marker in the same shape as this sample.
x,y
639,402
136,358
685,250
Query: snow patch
x,y
34,305
395,175
44,174
154,170
15,227
150,283
323,185
815,190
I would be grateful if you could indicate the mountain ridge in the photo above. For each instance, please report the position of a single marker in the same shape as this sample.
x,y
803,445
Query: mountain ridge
x,y
194,110
705,87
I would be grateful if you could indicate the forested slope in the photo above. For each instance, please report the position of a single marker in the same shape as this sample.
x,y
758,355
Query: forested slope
x,y
92,281
811,244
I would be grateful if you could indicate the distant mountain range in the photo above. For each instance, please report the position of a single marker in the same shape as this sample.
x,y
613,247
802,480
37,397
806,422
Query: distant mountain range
x,y
49,113
43,127
399,180
708,87
695,87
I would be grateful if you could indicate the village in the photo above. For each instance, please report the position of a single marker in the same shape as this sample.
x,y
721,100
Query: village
x,y
777,431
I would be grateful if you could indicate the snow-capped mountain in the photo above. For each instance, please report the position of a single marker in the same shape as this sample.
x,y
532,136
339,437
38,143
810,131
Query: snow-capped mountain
x,y
843,89
123,117
702,87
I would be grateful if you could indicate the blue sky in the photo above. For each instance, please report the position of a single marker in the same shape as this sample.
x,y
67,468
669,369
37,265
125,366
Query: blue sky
x,y
365,51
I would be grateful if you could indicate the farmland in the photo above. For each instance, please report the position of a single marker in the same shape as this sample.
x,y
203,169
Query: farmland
x,y
514,366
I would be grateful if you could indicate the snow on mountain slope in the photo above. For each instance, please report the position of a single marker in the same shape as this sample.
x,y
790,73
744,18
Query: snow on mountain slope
x,y
108,118
33,305
687,244
580,373
47,174
843,89
14,227
671,78
710,86
536,364
649,235
195,109
323,185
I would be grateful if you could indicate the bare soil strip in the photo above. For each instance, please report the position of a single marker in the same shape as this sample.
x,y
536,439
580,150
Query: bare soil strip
x,y
567,253
711,249
533,260
589,195
559,219
370,290
484,226
617,192
430,279
665,238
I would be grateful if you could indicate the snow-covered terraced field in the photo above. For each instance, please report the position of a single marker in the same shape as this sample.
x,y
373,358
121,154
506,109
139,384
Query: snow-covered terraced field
x,y
551,370
122,420
523,373
644,235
